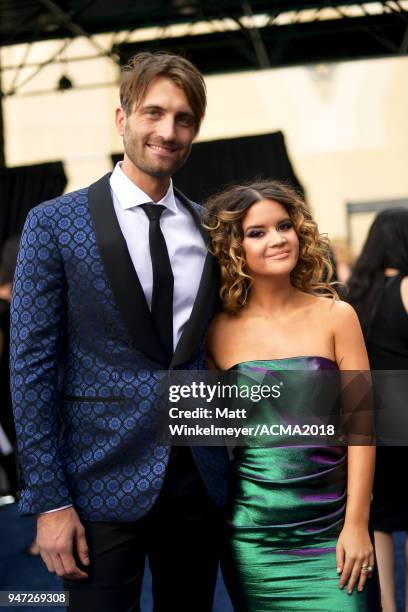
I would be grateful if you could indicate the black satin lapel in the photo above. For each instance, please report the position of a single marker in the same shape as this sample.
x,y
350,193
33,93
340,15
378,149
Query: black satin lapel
x,y
121,274
194,213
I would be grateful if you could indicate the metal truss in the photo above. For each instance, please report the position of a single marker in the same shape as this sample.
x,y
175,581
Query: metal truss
x,y
218,35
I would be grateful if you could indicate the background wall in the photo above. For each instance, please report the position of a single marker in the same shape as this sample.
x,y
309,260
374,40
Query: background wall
x,y
345,123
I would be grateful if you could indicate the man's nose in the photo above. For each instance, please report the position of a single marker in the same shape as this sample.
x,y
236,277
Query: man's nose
x,y
167,128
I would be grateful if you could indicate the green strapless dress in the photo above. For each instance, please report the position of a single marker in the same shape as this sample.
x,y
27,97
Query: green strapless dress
x,y
287,511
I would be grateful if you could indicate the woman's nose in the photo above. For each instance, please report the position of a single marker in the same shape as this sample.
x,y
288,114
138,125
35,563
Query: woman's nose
x,y
276,239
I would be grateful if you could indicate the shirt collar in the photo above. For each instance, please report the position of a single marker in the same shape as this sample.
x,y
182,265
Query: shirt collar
x,y
130,195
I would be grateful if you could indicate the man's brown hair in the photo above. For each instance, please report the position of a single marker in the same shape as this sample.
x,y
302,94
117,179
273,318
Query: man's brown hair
x,y
144,67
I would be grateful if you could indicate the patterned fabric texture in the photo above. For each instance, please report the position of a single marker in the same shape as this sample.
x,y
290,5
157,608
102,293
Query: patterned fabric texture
x,y
85,398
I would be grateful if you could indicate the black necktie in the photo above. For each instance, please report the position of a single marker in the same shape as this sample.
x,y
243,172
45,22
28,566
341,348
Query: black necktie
x,y
163,280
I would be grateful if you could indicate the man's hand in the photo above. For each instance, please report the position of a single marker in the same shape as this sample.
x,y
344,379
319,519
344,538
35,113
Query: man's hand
x,y
57,534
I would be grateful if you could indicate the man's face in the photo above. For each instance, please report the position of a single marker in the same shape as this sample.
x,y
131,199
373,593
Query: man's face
x,y
158,133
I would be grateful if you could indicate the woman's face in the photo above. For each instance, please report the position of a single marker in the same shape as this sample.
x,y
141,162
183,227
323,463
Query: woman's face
x,y
270,242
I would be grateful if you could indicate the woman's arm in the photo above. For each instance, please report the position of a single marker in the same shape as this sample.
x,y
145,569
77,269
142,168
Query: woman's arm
x,y
404,293
354,548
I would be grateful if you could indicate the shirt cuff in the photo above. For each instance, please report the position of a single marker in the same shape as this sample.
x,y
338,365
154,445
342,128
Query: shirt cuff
x,y
56,509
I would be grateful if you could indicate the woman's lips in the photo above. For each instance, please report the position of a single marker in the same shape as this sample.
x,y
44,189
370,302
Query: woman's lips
x,y
280,255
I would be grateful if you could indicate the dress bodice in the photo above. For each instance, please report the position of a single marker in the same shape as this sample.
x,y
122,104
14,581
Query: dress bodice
x,y
313,362
287,467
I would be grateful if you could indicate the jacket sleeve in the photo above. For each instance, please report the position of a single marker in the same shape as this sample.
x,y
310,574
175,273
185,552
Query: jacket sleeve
x,y
37,327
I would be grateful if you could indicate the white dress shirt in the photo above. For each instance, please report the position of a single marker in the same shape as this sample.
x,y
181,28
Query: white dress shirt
x,y
185,245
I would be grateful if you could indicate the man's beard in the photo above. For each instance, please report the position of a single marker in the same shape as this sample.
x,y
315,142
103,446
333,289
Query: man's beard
x,y
138,159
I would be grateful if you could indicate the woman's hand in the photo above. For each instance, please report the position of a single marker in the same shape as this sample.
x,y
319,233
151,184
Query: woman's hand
x,y
354,556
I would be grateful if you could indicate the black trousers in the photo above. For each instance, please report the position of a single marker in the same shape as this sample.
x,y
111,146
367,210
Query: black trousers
x,y
181,536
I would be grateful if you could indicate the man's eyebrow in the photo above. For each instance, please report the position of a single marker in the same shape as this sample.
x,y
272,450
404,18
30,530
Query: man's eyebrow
x,y
151,107
186,112
157,107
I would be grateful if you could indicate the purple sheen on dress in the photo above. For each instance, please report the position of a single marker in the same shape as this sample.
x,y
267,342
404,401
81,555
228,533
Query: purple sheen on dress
x,y
315,529
311,552
321,497
324,460
316,362
264,370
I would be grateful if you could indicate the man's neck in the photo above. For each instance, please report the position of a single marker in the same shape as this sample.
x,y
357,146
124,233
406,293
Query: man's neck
x,y
155,187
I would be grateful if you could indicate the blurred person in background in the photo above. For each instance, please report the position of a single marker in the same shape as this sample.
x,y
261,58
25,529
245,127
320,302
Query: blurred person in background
x,y
378,290
344,259
6,449
8,261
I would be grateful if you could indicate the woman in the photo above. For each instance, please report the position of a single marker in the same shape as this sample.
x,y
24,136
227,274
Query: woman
x,y
379,293
291,528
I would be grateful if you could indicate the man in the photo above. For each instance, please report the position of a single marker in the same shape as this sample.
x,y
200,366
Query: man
x,y
114,283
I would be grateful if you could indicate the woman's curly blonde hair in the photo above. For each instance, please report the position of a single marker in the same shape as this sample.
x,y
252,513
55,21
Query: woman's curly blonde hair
x,y
223,220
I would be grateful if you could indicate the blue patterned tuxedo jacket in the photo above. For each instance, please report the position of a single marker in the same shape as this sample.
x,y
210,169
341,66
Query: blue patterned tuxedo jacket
x,y
85,356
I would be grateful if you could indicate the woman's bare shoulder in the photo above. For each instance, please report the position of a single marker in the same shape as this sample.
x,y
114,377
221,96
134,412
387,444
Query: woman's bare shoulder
x,y
220,320
317,303
220,331
342,309
333,311
334,307
220,324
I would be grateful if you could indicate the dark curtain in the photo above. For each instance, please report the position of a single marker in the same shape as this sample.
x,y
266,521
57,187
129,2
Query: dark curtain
x,y
215,164
8,259
22,188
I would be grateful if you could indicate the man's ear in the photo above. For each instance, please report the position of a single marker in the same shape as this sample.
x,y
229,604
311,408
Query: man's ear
x,y
120,120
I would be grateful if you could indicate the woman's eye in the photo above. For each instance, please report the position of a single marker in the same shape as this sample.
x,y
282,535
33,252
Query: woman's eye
x,y
255,234
284,227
